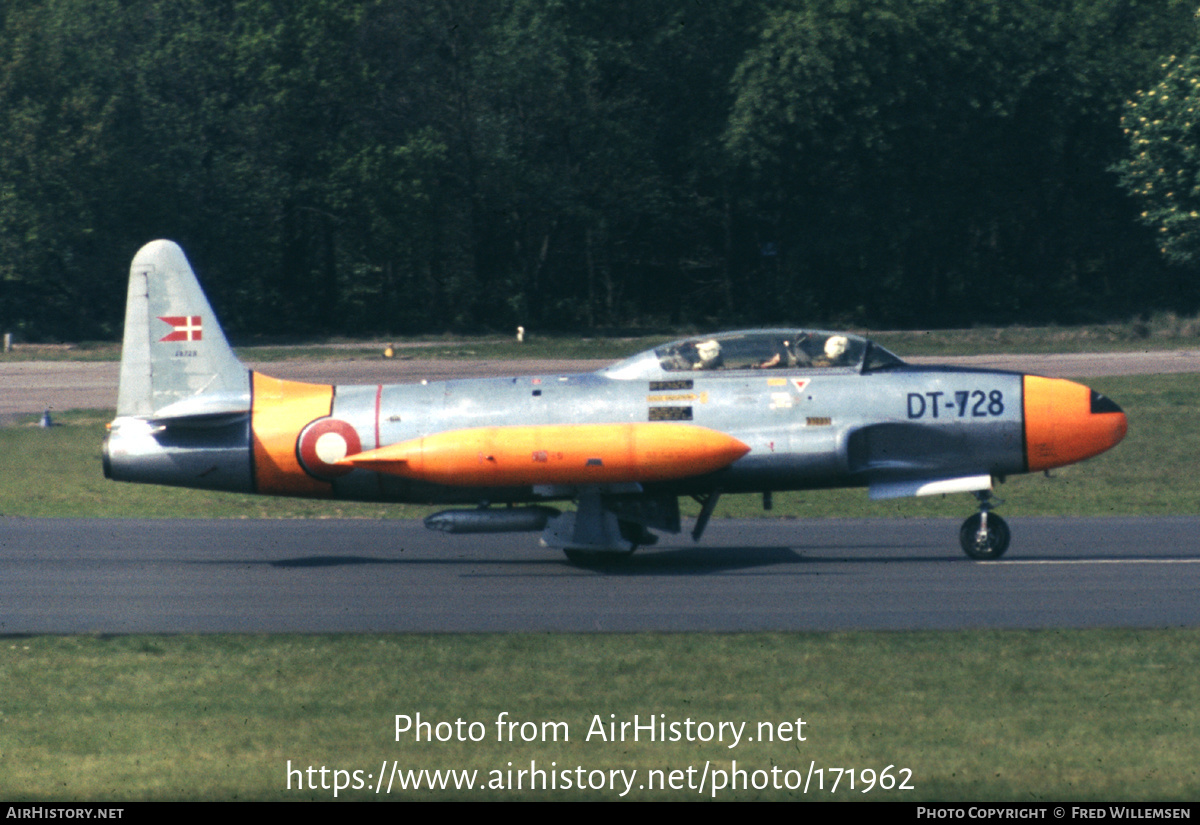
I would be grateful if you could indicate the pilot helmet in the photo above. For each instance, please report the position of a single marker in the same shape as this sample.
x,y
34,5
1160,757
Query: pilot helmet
x,y
708,351
835,347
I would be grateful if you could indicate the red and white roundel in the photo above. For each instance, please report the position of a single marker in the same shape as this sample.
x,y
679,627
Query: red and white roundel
x,y
323,443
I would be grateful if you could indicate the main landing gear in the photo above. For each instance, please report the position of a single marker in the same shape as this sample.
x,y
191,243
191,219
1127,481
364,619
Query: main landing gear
x,y
984,536
635,534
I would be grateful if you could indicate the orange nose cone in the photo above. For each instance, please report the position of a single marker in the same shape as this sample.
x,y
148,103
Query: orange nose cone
x,y
1067,422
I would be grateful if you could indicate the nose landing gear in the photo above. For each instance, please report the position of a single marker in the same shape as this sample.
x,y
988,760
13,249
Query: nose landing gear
x,y
984,536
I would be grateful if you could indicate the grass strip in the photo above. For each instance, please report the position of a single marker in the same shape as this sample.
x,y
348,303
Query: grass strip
x,y
1105,715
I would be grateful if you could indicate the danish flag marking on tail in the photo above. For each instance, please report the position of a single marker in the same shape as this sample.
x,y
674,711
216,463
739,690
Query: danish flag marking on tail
x,y
183,328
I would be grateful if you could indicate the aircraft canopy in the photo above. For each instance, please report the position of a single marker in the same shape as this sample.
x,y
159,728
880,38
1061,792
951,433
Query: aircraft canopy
x,y
776,349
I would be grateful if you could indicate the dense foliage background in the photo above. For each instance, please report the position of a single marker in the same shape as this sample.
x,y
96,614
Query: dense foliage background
x,y
400,166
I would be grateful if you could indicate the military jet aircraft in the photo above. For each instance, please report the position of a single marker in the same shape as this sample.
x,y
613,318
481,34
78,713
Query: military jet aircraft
x,y
742,412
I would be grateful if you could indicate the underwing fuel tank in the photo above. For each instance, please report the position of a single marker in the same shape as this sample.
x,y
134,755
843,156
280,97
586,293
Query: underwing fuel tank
x,y
492,520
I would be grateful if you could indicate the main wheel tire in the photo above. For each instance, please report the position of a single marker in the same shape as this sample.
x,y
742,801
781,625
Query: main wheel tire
x,y
593,558
997,537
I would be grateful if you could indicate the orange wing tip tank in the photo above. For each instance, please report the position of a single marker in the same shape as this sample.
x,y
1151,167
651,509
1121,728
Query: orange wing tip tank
x,y
557,454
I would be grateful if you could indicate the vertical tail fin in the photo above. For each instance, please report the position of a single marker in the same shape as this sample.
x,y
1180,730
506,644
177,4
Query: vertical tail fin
x,y
175,361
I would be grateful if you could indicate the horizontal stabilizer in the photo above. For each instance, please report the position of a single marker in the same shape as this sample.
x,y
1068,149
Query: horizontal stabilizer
x,y
205,406
927,486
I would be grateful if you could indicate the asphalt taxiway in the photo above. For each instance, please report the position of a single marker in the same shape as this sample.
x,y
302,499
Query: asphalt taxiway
x,y
172,576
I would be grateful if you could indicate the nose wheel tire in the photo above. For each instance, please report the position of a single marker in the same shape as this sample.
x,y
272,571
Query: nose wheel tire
x,y
984,545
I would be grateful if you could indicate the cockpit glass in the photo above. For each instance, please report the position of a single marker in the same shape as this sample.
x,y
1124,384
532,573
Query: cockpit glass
x,y
764,350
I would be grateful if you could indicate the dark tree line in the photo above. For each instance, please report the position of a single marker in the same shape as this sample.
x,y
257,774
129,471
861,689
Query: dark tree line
x,y
400,166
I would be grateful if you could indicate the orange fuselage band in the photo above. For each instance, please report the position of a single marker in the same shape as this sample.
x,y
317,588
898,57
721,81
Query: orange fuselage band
x,y
281,409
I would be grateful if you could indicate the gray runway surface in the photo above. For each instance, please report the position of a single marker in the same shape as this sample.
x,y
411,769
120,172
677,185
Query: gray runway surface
x,y
121,576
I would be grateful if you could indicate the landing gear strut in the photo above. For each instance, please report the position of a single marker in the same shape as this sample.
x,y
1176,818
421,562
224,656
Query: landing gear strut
x,y
984,536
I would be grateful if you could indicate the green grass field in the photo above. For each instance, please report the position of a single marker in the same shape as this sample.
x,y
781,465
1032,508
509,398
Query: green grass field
x,y
1018,716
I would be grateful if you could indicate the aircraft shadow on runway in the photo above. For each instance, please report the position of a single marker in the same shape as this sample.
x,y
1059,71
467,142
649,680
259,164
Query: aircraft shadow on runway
x,y
668,561
663,561
334,561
